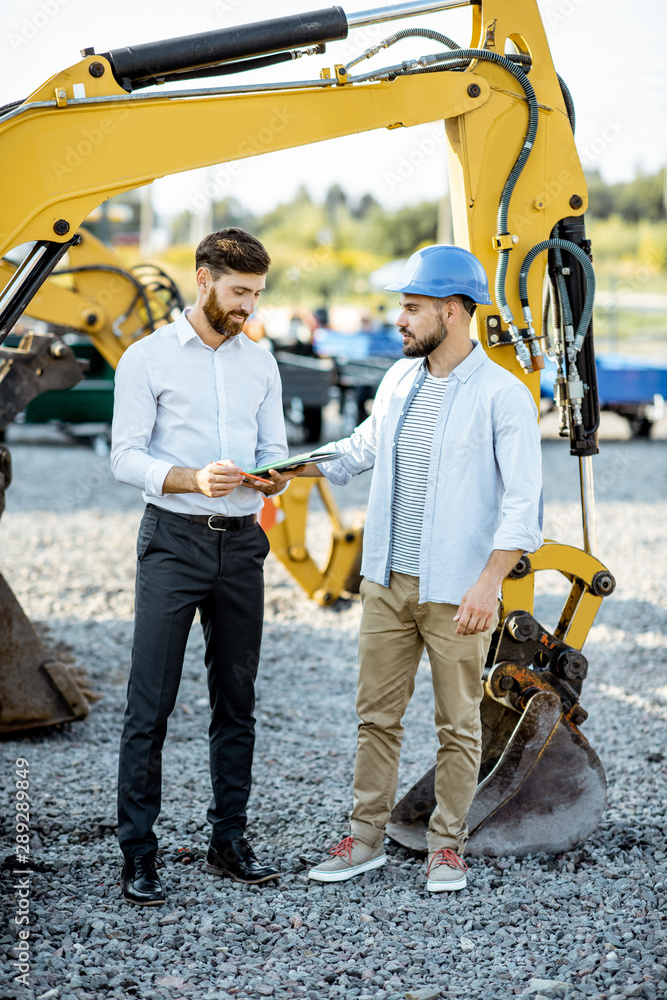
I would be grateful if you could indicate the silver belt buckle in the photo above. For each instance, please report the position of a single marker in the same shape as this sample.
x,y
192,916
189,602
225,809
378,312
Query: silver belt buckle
x,y
212,526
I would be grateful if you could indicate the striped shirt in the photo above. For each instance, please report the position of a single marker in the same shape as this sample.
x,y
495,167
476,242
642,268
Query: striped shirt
x,y
413,457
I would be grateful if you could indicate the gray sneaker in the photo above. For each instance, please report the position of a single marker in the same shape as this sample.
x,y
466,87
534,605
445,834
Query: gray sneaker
x,y
446,871
350,857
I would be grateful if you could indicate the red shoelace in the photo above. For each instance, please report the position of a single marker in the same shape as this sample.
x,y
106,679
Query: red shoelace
x,y
344,848
446,857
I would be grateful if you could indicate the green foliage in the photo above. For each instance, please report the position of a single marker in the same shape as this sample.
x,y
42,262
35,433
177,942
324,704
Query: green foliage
x,y
628,250
400,233
324,252
641,198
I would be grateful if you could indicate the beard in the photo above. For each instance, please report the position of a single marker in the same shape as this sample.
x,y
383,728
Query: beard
x,y
422,348
220,320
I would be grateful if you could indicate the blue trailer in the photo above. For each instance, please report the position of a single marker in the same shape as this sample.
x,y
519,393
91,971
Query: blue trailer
x,y
634,387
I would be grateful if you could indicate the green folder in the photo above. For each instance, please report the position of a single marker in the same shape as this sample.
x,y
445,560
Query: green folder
x,y
295,460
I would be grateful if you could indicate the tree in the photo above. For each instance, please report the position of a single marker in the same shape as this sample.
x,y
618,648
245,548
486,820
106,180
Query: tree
x,y
366,203
641,198
335,203
400,233
600,196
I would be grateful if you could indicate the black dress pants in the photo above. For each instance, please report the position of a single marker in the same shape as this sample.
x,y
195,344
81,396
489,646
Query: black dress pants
x,y
184,566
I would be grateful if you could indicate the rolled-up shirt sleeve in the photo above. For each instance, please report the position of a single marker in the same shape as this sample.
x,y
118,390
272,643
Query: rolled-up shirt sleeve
x,y
360,448
519,457
135,409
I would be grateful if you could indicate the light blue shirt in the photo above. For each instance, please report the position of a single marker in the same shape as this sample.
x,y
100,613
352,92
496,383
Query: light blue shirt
x,y
181,403
485,474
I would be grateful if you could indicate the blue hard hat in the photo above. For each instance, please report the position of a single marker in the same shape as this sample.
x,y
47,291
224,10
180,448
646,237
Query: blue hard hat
x,y
441,270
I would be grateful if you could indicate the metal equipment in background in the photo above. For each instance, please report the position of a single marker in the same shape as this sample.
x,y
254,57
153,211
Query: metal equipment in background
x,y
35,688
518,197
284,519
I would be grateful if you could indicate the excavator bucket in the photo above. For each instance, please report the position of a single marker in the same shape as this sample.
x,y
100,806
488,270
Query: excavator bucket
x,y
34,689
541,786
546,792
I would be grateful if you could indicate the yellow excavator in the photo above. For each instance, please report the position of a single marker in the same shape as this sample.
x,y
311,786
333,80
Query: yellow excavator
x,y
518,197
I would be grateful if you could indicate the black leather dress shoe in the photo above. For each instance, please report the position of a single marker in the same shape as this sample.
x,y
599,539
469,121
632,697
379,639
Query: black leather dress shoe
x,y
235,859
141,883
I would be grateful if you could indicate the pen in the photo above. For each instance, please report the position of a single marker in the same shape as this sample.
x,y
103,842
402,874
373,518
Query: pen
x,y
248,475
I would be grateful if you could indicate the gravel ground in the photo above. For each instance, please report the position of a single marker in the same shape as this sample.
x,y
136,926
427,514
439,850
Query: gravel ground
x,y
590,923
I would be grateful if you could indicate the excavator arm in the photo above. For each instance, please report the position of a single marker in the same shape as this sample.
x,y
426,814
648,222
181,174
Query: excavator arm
x,y
518,195
98,295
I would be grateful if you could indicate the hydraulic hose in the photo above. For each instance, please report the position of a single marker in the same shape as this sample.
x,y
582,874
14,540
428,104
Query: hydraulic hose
x,y
576,251
140,291
6,108
569,103
554,296
563,297
434,36
546,309
460,59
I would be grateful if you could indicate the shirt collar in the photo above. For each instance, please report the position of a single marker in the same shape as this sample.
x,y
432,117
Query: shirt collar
x,y
471,363
185,331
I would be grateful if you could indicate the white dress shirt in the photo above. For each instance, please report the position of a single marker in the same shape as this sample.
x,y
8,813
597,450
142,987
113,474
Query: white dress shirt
x,y
181,403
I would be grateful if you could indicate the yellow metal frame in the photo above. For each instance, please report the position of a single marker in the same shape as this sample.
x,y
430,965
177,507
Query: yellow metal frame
x,y
286,530
581,605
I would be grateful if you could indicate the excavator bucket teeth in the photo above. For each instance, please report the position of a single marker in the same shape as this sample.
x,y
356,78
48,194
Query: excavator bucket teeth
x,y
546,792
34,690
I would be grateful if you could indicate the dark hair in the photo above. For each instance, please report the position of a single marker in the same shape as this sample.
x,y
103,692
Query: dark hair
x,y
468,304
231,250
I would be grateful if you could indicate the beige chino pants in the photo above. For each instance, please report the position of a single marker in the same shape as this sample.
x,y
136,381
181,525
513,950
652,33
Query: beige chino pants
x,y
395,627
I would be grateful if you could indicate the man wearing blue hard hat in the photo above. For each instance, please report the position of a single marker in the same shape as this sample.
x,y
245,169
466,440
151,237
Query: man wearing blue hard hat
x,y
455,501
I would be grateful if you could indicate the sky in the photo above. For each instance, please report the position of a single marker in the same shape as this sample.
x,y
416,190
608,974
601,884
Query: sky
x,y
610,53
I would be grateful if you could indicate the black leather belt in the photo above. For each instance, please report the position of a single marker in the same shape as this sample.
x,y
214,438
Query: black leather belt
x,y
217,522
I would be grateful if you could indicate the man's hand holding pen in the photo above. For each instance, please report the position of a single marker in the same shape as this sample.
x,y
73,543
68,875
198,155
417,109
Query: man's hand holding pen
x,y
276,482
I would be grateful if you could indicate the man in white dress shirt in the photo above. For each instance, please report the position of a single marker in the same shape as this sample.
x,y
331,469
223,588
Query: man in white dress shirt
x,y
196,403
